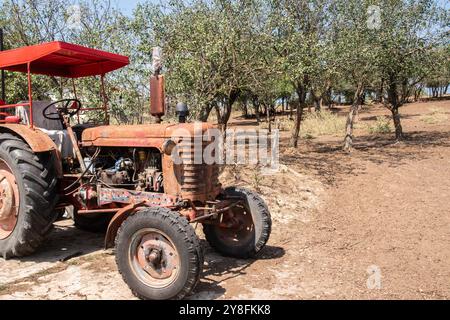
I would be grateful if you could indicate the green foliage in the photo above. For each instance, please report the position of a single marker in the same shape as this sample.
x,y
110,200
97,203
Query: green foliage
x,y
28,22
218,52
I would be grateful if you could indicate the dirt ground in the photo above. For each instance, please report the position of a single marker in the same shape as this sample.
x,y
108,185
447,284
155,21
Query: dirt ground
x,y
373,224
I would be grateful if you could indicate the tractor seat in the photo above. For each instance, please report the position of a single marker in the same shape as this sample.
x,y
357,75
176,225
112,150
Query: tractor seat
x,y
79,128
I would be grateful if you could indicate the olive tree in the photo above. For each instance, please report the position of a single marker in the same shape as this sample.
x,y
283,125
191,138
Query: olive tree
x,y
354,28
409,30
206,51
299,28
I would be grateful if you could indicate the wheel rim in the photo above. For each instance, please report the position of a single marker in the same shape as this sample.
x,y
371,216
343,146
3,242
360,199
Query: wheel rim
x,y
154,258
240,229
9,200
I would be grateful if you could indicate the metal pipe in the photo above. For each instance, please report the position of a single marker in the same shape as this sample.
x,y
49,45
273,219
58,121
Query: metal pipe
x,y
98,211
30,93
7,106
76,97
74,141
105,99
3,71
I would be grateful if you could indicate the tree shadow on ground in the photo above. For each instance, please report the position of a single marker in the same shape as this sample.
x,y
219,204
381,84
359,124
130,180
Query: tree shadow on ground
x,y
375,117
64,243
67,241
227,268
329,162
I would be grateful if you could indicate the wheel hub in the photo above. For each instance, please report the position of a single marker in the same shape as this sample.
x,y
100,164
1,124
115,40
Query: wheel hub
x,y
157,256
237,226
8,201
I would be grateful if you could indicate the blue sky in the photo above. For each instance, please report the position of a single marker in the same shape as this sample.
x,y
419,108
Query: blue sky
x,y
127,5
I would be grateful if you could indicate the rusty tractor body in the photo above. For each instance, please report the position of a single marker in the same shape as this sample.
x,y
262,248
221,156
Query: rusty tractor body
x,y
121,179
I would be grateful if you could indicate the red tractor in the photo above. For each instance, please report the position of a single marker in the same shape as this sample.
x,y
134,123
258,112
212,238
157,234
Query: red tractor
x,y
120,178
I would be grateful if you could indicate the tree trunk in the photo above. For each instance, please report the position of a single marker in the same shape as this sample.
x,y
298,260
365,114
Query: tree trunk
x,y
395,103
329,98
417,92
397,124
291,108
435,92
348,141
255,103
244,105
380,92
224,110
269,122
301,91
298,120
317,103
204,113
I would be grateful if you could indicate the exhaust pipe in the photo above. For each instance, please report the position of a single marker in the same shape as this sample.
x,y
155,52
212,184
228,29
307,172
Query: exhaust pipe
x,y
157,94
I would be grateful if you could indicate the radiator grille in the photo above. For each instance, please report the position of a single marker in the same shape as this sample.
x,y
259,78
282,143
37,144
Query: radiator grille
x,y
197,179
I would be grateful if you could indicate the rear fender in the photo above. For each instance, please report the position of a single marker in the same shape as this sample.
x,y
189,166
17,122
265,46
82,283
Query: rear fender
x,y
36,139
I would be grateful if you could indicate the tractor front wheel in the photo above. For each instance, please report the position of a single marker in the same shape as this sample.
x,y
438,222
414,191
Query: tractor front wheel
x,y
158,254
245,229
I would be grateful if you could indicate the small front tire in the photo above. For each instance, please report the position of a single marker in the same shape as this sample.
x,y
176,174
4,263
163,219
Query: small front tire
x,y
158,254
251,231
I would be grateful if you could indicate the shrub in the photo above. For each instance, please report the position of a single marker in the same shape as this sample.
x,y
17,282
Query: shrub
x,y
381,125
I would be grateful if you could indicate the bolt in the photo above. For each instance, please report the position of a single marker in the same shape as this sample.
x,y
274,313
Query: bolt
x,y
154,257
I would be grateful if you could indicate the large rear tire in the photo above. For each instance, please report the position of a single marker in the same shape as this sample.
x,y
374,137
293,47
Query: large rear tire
x,y
251,230
158,254
28,196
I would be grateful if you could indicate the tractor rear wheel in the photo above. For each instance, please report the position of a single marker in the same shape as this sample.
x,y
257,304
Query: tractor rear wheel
x,y
249,226
158,254
27,197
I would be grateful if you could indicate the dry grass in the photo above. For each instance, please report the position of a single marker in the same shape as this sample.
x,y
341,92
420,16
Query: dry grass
x,y
437,115
322,123
314,124
282,124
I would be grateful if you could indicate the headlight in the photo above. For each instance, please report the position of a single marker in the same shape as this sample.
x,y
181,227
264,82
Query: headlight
x,y
168,146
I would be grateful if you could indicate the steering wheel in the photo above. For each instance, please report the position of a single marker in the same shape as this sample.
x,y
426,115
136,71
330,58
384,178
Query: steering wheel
x,y
66,106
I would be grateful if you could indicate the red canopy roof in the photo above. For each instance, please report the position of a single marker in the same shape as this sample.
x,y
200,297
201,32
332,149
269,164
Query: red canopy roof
x,y
61,59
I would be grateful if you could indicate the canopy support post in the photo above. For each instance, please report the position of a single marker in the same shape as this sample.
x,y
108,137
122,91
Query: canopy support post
x,y
76,97
105,99
30,93
3,71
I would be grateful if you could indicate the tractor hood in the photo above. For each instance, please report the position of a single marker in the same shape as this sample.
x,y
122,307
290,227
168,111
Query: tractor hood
x,y
145,135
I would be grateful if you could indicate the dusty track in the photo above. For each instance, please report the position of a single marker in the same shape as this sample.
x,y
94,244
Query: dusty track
x,y
384,207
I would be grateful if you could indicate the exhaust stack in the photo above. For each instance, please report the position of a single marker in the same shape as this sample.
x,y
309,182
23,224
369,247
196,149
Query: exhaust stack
x,y
157,94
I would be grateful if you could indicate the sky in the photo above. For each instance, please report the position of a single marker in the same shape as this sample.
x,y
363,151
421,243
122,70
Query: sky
x,y
127,5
